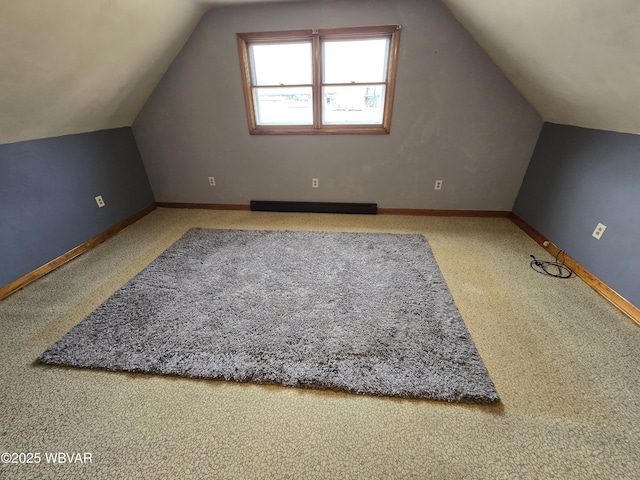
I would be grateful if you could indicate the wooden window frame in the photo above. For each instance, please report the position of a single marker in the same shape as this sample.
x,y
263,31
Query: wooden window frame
x,y
245,40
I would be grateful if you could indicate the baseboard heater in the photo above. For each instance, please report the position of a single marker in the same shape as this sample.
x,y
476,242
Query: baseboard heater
x,y
314,207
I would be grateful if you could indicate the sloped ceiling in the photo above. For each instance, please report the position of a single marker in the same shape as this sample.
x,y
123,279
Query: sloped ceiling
x,y
72,66
576,61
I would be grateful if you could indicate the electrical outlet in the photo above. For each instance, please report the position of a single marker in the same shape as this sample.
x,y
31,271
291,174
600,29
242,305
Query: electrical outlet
x,y
212,181
100,201
438,185
314,182
597,233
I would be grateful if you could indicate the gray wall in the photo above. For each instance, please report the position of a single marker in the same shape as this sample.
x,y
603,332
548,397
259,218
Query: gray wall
x,y
47,190
578,178
456,117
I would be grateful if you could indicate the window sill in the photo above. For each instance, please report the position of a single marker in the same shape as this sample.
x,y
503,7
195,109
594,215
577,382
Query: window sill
x,y
328,130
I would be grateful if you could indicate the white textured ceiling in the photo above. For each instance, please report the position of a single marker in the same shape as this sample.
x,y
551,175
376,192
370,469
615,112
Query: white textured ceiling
x,y
72,66
576,61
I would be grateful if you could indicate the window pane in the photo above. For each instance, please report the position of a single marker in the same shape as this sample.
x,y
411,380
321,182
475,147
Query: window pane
x,y
359,61
360,104
283,106
282,64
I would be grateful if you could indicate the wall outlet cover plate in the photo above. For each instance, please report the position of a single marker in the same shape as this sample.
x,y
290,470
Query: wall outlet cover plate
x,y
597,233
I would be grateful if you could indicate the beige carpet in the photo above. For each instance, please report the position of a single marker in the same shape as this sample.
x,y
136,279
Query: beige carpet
x,y
566,364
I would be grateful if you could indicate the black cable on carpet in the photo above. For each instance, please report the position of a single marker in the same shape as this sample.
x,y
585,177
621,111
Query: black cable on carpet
x,y
555,269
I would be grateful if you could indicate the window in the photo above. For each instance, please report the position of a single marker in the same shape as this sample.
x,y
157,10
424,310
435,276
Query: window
x,y
327,81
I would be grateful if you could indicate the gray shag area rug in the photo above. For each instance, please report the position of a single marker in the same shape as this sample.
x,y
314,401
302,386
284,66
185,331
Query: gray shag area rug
x,y
367,313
